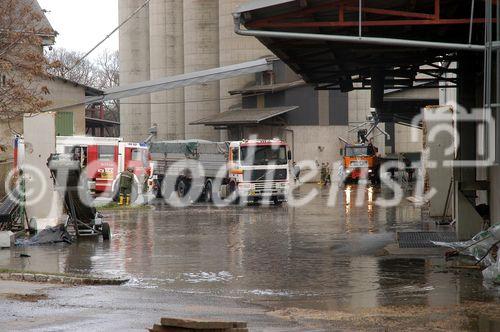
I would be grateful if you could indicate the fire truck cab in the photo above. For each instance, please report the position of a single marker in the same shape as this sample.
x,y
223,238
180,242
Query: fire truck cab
x,y
105,158
360,158
259,169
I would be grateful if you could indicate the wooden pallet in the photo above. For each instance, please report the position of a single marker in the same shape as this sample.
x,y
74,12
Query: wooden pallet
x,y
195,325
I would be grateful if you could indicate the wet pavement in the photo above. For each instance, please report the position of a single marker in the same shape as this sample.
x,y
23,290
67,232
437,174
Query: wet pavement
x,y
293,266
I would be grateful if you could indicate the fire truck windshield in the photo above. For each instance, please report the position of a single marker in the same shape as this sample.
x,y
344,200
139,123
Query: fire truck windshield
x,y
140,155
264,155
356,151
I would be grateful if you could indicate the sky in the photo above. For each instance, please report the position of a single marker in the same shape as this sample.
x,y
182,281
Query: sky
x,y
81,24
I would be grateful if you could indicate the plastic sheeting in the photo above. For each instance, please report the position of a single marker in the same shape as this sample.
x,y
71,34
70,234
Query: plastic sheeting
x,y
53,235
484,247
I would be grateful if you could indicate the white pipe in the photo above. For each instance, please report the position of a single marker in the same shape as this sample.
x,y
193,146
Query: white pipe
x,y
353,39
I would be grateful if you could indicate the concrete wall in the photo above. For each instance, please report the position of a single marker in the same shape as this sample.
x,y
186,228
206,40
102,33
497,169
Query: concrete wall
x,y
439,176
201,51
62,93
65,93
235,49
359,105
135,112
175,66
403,141
158,63
317,143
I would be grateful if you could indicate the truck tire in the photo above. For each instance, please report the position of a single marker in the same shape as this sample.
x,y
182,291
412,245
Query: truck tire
x,y
106,231
208,192
182,188
157,189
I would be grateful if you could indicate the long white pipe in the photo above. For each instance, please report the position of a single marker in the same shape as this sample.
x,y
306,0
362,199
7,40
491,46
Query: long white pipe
x,y
353,39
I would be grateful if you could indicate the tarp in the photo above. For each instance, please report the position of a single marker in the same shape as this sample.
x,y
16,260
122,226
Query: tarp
x,y
53,235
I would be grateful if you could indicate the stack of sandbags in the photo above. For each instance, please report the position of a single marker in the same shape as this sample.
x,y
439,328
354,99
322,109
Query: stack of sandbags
x,y
194,325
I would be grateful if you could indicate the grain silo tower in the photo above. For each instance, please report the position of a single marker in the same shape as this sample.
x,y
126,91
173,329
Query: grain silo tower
x,y
167,59
235,49
201,51
134,67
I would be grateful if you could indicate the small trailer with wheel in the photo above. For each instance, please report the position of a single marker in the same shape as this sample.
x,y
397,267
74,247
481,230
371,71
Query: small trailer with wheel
x,y
83,220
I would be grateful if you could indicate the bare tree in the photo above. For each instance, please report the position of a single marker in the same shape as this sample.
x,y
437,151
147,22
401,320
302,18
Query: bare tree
x,y
22,63
68,64
108,70
101,72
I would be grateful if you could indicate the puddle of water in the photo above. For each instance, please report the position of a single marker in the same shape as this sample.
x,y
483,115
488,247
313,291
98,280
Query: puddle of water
x,y
315,256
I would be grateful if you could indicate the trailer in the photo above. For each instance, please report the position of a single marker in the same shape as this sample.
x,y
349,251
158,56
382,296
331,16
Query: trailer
x,y
252,170
83,220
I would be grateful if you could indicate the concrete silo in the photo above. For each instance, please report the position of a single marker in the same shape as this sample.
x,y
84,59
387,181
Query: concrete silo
x,y
235,49
134,67
167,57
201,51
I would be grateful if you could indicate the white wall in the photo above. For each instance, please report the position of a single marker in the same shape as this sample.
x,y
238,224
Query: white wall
x,y
42,203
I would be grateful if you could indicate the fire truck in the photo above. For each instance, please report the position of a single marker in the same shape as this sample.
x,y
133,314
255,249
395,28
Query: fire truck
x,y
255,170
103,158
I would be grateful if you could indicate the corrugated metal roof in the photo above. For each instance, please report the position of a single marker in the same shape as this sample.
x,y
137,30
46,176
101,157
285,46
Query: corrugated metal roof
x,y
244,116
331,63
268,88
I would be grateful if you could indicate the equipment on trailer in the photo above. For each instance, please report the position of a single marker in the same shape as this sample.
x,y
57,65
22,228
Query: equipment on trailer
x,y
83,219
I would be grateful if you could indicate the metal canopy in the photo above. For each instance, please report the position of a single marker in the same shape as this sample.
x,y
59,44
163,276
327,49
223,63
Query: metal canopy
x,y
343,44
183,80
244,116
269,88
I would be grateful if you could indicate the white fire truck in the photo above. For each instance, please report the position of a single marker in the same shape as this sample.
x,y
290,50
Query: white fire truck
x,y
254,170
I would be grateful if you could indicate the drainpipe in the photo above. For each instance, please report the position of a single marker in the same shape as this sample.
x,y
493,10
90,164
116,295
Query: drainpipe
x,y
352,39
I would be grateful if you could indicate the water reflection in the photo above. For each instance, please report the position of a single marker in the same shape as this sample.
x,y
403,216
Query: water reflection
x,y
315,256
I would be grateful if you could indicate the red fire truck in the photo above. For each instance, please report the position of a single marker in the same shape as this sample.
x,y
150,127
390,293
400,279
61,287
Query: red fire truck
x,y
103,158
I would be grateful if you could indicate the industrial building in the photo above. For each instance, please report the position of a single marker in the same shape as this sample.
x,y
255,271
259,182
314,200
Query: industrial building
x,y
361,47
172,37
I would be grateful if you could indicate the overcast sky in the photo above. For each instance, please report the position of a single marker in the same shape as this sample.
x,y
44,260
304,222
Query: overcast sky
x,y
81,24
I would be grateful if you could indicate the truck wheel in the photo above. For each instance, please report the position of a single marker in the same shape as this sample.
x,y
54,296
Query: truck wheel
x,y
157,189
106,231
208,192
182,188
116,192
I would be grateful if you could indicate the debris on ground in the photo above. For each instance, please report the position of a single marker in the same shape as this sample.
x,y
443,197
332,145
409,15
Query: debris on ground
x,y
53,235
180,324
484,247
26,297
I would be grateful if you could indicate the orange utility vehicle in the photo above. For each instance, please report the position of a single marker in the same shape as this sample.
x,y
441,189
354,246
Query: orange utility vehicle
x,y
360,159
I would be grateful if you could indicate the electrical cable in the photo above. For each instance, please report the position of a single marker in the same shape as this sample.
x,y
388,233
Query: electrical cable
x,y
107,36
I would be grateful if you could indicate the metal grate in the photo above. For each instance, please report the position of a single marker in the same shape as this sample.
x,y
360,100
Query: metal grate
x,y
423,239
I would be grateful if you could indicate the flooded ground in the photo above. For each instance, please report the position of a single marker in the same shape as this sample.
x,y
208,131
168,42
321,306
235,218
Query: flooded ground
x,y
310,263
